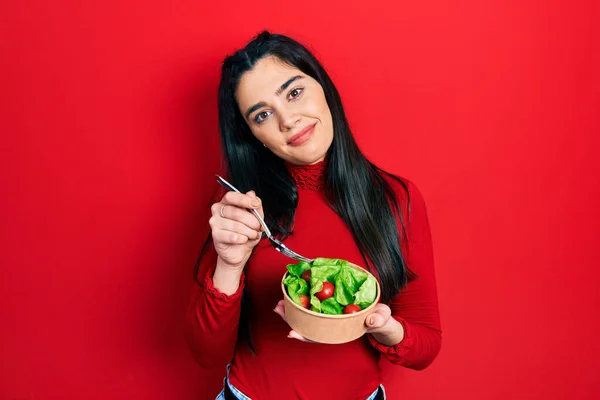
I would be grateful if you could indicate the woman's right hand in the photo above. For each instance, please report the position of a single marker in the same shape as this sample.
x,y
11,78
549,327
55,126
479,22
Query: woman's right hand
x,y
235,230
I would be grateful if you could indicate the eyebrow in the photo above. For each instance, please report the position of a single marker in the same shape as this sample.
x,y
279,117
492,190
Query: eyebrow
x,y
277,93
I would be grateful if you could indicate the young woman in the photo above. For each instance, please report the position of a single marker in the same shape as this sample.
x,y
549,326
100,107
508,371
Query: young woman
x,y
289,149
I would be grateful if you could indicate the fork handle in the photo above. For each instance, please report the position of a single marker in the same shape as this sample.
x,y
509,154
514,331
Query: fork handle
x,y
256,214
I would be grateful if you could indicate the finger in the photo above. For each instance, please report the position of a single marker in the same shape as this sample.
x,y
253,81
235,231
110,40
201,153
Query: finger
x,y
228,237
383,309
376,320
241,200
233,226
381,314
280,310
297,336
229,211
260,208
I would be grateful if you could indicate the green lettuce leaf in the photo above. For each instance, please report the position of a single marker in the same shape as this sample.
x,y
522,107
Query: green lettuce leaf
x,y
367,293
289,279
318,275
352,286
320,261
298,269
330,306
347,283
296,287
359,275
345,287
315,304
323,273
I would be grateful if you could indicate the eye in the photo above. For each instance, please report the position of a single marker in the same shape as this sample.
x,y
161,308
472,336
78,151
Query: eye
x,y
261,116
295,93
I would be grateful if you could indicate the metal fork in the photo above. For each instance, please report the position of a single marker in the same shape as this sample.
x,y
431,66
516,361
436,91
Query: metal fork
x,y
280,247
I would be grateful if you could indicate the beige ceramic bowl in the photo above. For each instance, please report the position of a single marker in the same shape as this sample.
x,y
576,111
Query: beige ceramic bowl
x,y
325,328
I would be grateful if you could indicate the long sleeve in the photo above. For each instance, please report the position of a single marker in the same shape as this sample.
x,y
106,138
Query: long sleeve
x,y
416,307
212,317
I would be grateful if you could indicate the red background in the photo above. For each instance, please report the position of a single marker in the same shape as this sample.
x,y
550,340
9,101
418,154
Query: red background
x,y
109,142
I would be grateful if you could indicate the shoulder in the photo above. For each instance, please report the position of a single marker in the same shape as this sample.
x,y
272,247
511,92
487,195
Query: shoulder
x,y
408,195
406,190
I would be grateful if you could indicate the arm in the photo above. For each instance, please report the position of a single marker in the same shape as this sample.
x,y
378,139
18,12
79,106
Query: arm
x,y
416,307
212,316
213,312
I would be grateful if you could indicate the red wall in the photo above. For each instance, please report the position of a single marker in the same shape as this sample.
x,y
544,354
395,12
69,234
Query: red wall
x,y
109,143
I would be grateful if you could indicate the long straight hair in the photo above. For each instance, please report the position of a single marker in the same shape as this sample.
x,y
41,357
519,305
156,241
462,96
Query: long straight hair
x,y
355,188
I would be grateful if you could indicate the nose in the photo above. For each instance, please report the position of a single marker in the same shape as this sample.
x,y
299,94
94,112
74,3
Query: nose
x,y
288,119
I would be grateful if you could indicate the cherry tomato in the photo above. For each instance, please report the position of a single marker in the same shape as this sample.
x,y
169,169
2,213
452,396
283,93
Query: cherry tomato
x,y
306,275
351,309
305,301
326,292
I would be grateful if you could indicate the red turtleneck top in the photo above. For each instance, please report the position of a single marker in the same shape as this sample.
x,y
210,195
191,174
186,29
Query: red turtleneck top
x,y
284,368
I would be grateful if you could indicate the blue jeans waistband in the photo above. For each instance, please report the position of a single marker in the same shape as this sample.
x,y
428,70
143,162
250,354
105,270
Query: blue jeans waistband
x,y
230,392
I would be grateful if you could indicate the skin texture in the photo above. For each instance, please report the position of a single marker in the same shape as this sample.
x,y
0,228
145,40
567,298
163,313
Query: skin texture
x,y
285,113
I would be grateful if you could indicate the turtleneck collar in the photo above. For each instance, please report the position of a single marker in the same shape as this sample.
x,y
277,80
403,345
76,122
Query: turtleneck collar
x,y
309,177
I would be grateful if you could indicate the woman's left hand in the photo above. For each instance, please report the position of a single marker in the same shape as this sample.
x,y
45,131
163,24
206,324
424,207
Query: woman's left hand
x,y
385,329
280,310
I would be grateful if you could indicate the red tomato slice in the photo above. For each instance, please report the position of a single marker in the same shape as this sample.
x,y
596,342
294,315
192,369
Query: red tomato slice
x,y
306,276
305,301
351,309
326,292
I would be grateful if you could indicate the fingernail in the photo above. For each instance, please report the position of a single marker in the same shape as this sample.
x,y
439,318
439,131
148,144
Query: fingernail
x,y
371,321
255,203
251,193
289,337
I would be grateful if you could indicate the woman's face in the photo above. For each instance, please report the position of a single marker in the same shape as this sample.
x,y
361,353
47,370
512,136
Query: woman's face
x,y
286,110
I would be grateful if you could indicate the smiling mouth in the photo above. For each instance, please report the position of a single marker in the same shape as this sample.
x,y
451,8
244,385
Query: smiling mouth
x,y
301,136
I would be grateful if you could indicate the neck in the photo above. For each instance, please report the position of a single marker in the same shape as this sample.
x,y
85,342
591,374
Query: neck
x,y
310,177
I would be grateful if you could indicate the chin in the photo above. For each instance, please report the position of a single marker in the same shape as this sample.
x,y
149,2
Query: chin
x,y
310,153
310,157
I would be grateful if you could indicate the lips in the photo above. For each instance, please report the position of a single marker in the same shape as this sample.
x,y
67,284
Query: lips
x,y
302,136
